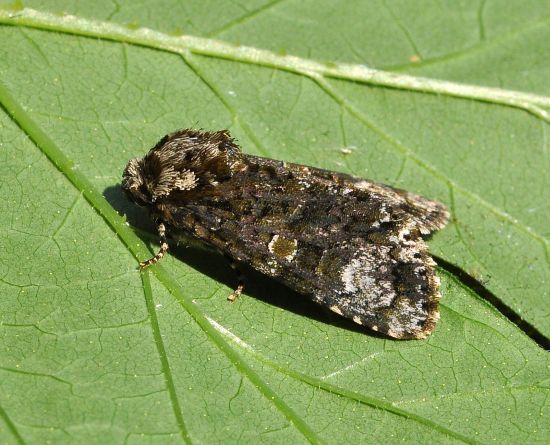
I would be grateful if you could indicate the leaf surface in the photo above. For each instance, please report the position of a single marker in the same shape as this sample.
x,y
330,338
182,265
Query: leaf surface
x,y
96,352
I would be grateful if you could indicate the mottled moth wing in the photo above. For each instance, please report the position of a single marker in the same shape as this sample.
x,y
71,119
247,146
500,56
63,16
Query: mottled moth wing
x,y
351,245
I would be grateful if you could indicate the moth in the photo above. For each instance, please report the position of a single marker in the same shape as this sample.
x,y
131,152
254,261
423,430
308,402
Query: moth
x,y
351,245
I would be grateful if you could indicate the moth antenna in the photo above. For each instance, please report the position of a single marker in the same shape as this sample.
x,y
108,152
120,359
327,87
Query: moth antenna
x,y
163,248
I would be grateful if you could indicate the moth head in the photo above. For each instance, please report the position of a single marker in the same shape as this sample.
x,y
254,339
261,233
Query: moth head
x,y
183,161
133,183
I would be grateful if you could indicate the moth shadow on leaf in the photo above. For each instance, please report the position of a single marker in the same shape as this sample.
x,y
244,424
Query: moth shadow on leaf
x,y
214,265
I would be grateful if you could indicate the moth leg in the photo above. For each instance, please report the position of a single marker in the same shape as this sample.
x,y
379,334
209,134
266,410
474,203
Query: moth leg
x,y
240,285
163,248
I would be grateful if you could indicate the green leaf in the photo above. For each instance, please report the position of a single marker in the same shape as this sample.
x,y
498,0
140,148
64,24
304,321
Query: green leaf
x,y
450,104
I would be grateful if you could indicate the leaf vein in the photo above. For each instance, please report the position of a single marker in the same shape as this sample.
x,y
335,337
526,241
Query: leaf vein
x,y
164,362
146,37
11,426
252,14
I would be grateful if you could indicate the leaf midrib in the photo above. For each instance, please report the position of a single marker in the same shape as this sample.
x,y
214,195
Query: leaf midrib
x,y
70,24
